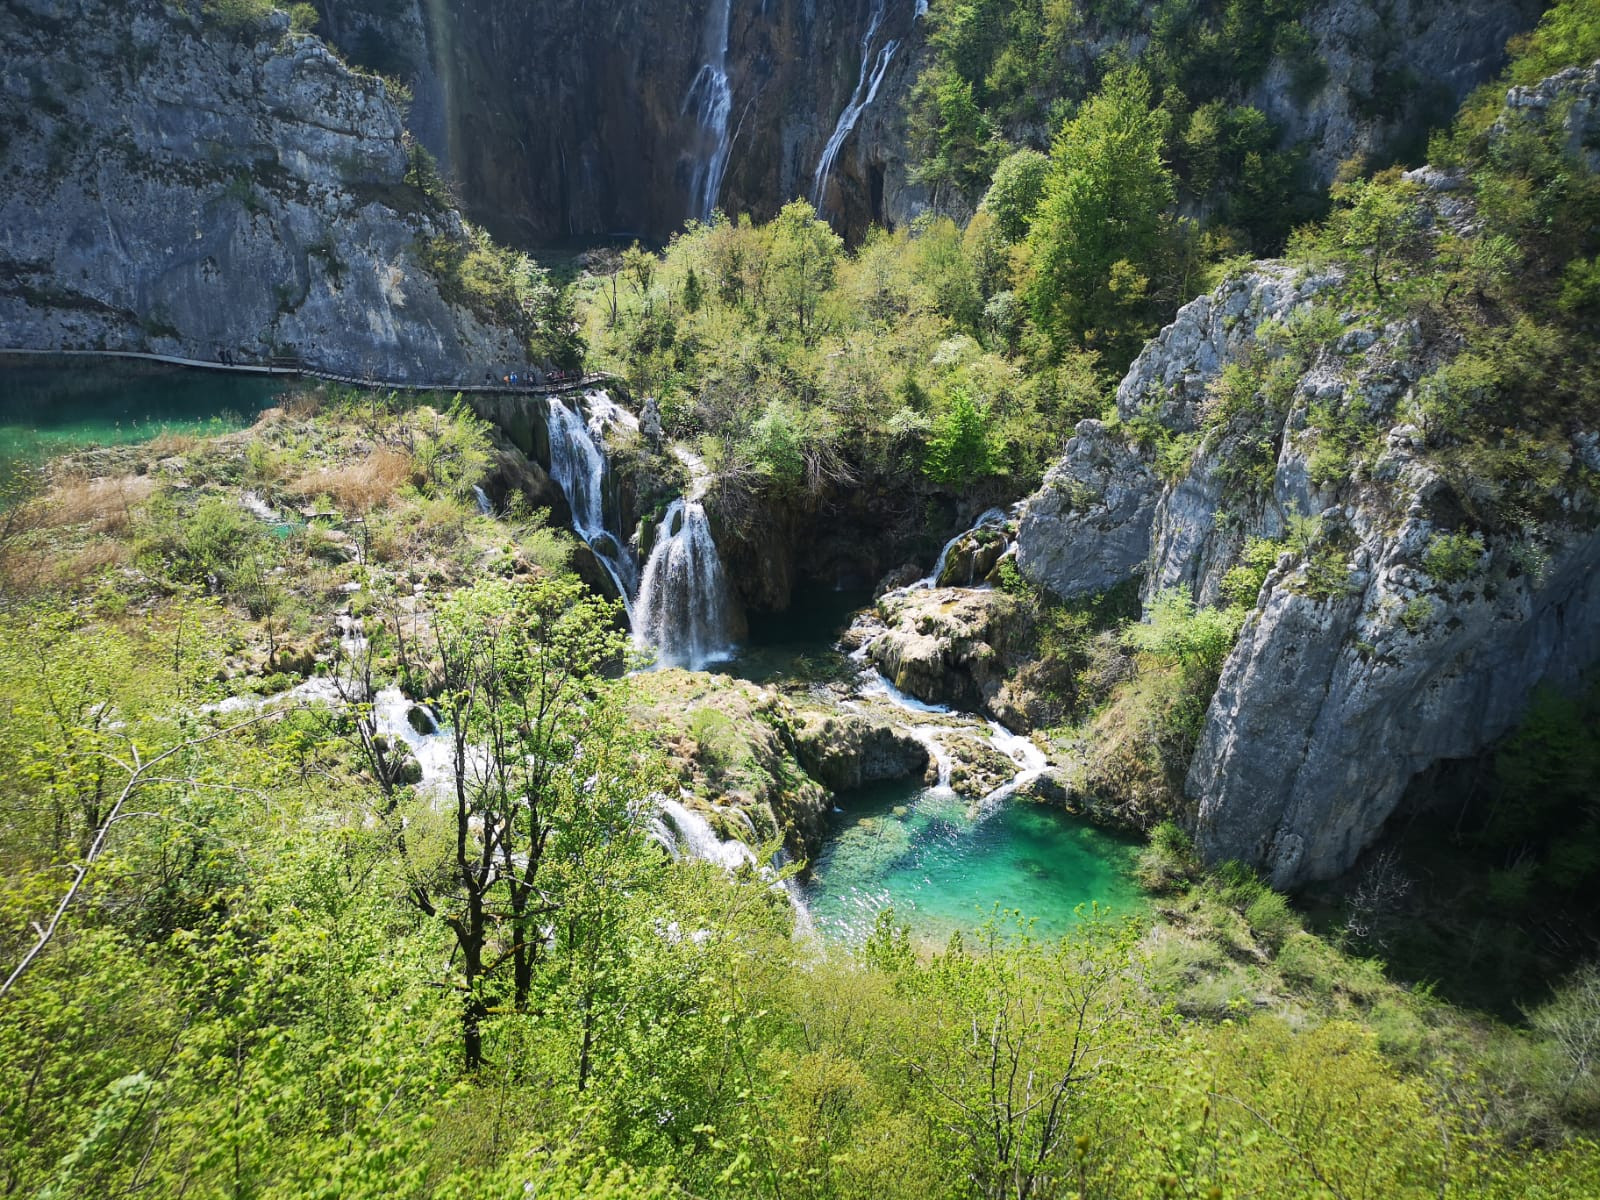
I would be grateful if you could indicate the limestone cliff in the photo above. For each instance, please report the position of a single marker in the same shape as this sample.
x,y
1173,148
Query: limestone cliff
x,y
188,190
1400,626
565,119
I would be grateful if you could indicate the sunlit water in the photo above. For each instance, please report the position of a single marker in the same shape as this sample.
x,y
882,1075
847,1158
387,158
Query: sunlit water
x,y
56,406
924,853
938,860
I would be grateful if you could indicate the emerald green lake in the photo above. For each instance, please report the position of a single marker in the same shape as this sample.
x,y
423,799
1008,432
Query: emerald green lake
x,y
49,407
941,868
941,864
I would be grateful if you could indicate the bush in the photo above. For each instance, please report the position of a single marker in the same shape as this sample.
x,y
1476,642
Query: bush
x,y
961,445
1453,557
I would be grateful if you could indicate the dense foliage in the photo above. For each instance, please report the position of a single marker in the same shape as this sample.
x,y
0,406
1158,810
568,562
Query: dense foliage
x,y
251,947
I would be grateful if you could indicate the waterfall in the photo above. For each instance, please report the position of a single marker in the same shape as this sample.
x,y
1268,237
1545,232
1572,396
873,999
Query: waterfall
x,y
994,516
482,499
682,832
866,91
578,464
711,98
684,603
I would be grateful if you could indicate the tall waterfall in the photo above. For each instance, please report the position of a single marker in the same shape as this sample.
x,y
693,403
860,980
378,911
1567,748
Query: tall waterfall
x,y
684,605
866,91
711,98
578,463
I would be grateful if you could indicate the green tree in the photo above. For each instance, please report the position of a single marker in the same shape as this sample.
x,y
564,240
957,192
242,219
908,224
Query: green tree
x,y
1017,189
804,254
1099,227
961,445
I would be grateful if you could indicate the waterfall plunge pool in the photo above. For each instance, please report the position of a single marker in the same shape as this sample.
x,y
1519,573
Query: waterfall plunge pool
x,y
942,862
942,866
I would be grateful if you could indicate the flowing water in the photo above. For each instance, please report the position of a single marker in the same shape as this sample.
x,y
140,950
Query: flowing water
x,y
55,406
579,465
710,98
684,601
868,80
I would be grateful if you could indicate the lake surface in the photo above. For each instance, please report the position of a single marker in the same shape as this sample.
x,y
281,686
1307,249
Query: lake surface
x,y
54,406
941,867
940,862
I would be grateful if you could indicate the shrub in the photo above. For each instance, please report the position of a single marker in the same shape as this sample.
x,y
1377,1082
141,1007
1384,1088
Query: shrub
x,y
1453,557
961,445
1168,861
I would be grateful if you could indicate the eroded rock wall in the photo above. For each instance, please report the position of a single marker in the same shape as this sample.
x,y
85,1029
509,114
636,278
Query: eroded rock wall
x,y
1363,661
192,192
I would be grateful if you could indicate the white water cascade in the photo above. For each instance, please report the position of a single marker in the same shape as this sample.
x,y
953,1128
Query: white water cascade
x,y
684,602
578,464
710,97
868,79
684,833
993,517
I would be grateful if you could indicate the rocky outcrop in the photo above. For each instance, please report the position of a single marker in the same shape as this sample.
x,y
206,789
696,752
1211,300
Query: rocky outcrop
x,y
1397,629
1389,71
1329,706
205,193
844,750
1102,509
732,746
955,647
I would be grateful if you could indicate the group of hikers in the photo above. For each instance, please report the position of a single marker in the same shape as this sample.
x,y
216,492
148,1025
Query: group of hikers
x,y
536,377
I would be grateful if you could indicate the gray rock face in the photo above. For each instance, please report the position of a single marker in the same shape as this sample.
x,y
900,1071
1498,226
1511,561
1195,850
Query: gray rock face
x,y
1087,528
187,192
1326,709
1357,668
1392,68
1578,88
1101,510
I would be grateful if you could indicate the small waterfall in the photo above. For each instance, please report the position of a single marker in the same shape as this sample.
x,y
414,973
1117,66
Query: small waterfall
x,y
994,516
578,464
682,832
866,91
710,96
482,499
684,603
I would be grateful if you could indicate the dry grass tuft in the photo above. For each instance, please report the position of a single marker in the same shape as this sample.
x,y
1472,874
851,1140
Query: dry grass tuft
x,y
302,405
170,445
105,505
359,487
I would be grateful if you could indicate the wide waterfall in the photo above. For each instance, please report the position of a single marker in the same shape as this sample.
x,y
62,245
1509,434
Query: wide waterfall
x,y
866,91
685,609
711,98
578,464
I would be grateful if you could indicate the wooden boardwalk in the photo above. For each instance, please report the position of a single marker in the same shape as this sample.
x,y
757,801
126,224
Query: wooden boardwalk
x,y
293,367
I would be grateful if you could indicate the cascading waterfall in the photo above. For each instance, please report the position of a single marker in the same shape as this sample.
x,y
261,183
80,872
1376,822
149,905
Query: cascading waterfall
x,y
578,464
873,69
711,98
684,602
989,519
683,832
